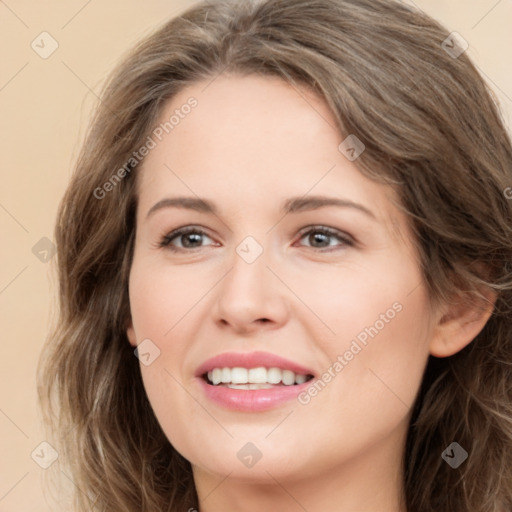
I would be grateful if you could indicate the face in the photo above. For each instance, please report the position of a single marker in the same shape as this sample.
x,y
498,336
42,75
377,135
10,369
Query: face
x,y
269,272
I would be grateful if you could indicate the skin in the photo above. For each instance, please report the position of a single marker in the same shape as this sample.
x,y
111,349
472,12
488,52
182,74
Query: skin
x,y
250,144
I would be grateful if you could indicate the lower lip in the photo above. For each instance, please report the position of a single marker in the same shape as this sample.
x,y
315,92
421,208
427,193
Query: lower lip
x,y
252,400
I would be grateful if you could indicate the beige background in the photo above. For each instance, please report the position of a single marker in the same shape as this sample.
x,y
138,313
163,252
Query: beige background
x,y
44,105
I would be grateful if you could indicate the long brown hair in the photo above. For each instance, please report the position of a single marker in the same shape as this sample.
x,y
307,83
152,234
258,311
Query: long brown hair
x,y
432,130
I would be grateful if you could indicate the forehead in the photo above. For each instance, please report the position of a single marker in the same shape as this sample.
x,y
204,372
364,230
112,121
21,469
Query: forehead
x,y
253,140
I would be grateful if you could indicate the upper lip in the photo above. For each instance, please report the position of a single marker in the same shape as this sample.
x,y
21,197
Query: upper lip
x,y
251,360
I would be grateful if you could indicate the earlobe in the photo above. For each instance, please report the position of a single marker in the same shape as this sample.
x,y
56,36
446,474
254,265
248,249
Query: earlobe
x,y
459,323
130,333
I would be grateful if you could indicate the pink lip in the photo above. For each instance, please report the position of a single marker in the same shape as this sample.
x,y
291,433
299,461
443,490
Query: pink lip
x,y
251,360
251,400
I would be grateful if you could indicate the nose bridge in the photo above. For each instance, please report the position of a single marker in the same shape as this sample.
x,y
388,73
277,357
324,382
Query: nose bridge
x,y
250,291
249,274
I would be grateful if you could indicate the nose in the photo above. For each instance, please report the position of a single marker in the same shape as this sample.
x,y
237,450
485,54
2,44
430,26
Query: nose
x,y
251,297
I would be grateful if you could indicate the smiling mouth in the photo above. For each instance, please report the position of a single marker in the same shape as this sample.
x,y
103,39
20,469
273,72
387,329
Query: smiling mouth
x,y
254,378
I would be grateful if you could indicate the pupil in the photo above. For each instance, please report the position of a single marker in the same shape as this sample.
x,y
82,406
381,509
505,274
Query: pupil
x,y
319,237
191,236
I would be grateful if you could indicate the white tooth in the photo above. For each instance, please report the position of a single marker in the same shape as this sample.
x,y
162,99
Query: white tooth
x,y
238,386
226,375
288,378
239,375
258,375
216,376
300,378
274,375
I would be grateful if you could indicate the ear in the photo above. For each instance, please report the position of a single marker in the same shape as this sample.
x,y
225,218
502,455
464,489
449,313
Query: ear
x,y
459,322
130,333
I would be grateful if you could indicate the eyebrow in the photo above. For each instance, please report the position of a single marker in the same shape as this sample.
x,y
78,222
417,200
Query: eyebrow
x,y
292,205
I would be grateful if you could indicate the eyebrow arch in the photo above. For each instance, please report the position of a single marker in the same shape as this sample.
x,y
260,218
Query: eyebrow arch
x,y
292,205
306,203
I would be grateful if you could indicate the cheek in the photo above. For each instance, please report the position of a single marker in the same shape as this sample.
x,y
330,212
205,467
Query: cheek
x,y
377,343
375,368
161,302
383,358
350,300
160,298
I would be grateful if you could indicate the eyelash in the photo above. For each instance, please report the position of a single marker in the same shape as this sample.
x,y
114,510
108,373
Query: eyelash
x,y
166,240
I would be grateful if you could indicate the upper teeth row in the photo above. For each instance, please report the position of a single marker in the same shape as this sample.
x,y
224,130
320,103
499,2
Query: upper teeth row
x,y
260,375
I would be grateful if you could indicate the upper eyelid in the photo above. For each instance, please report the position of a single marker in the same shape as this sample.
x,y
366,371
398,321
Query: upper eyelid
x,y
330,231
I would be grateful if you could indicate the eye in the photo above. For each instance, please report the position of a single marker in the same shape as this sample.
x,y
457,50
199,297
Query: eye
x,y
188,238
321,237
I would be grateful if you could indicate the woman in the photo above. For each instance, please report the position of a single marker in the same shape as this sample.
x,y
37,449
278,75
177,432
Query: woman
x,y
285,270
